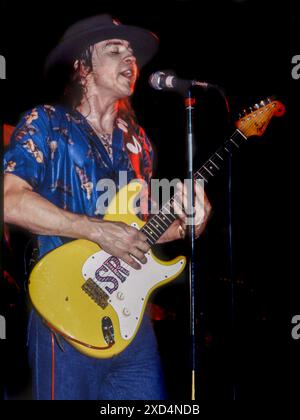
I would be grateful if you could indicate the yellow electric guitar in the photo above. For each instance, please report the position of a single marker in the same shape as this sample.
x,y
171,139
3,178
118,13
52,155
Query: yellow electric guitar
x,y
95,300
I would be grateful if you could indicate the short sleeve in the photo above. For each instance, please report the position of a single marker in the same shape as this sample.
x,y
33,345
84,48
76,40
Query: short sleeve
x,y
27,154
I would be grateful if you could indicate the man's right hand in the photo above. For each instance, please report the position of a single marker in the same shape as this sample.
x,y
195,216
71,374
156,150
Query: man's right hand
x,y
121,240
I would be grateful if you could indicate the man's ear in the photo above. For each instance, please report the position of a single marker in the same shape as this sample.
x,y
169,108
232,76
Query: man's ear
x,y
79,65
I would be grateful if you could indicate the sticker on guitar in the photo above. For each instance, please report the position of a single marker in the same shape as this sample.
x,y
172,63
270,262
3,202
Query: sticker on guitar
x,y
112,264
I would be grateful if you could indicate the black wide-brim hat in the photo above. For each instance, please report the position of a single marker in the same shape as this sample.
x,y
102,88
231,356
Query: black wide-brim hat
x,y
99,28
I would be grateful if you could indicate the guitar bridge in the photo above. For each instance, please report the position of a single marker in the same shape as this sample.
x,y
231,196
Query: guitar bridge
x,y
96,293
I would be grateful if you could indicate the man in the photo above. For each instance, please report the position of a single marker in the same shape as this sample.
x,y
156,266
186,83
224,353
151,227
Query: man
x,y
56,158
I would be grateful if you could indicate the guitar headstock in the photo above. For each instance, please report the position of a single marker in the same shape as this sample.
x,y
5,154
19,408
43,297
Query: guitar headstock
x,y
254,122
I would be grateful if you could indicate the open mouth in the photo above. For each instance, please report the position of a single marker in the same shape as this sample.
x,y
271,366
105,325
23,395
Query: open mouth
x,y
128,74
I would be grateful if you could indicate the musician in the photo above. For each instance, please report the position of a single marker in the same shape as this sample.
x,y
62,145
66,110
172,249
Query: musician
x,y
57,156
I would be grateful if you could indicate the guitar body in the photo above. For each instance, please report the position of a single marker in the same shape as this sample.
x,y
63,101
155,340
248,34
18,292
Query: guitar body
x,y
82,291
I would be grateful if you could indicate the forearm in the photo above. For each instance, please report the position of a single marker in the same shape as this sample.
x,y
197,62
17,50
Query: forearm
x,y
34,213
27,209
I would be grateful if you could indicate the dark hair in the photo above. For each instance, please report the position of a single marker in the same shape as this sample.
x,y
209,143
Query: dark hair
x,y
74,89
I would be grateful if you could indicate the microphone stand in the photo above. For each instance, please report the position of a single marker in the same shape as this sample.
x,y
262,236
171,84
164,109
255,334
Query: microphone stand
x,y
189,102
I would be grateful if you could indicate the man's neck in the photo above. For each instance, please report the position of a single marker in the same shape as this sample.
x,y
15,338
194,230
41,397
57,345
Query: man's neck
x,y
100,112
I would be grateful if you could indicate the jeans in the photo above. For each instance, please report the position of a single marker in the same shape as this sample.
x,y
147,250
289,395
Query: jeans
x,y
134,374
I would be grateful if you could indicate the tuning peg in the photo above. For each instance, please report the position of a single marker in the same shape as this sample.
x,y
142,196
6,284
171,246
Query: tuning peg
x,y
256,106
262,103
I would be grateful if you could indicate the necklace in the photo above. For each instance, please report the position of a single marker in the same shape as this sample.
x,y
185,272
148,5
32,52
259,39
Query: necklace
x,y
106,139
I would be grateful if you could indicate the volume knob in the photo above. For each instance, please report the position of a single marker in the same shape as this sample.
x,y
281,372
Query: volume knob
x,y
120,295
126,312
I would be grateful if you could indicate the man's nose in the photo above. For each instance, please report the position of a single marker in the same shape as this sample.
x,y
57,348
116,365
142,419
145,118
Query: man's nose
x,y
130,59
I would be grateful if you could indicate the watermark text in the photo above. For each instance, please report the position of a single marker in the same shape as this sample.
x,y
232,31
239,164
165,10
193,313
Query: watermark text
x,y
2,328
296,68
296,329
2,67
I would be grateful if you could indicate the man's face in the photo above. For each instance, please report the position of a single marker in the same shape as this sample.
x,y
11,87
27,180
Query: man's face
x,y
114,68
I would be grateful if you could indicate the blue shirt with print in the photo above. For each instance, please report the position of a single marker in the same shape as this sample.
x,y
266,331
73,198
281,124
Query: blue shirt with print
x,y
58,153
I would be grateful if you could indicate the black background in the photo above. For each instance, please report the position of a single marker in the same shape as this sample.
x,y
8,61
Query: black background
x,y
244,311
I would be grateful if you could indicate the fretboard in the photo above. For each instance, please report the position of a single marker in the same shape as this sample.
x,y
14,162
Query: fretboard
x,y
160,222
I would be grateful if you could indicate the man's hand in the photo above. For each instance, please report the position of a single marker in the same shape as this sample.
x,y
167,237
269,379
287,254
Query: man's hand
x,y
202,212
122,241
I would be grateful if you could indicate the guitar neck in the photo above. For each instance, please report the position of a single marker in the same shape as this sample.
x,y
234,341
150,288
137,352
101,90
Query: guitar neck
x,y
216,162
160,222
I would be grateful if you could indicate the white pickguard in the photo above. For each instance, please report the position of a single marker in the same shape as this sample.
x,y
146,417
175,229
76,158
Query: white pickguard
x,y
129,297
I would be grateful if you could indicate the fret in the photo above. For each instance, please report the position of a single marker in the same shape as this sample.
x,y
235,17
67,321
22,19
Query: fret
x,y
216,166
202,176
145,229
237,131
166,221
220,157
211,167
150,238
151,229
217,160
239,137
170,213
151,232
233,142
166,215
162,220
155,226
168,203
210,173
166,210
227,147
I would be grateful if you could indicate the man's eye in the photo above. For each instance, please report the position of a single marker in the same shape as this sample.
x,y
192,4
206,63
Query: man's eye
x,y
114,50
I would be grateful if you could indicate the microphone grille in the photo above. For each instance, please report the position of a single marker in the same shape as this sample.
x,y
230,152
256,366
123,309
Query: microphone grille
x,y
155,80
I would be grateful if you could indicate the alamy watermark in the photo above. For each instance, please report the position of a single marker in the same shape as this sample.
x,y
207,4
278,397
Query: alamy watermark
x,y
296,329
2,67
296,68
160,196
2,328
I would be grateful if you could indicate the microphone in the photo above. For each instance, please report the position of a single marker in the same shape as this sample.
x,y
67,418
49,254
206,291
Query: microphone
x,y
167,80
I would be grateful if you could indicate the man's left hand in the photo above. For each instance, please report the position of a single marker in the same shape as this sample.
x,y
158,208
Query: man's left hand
x,y
202,211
